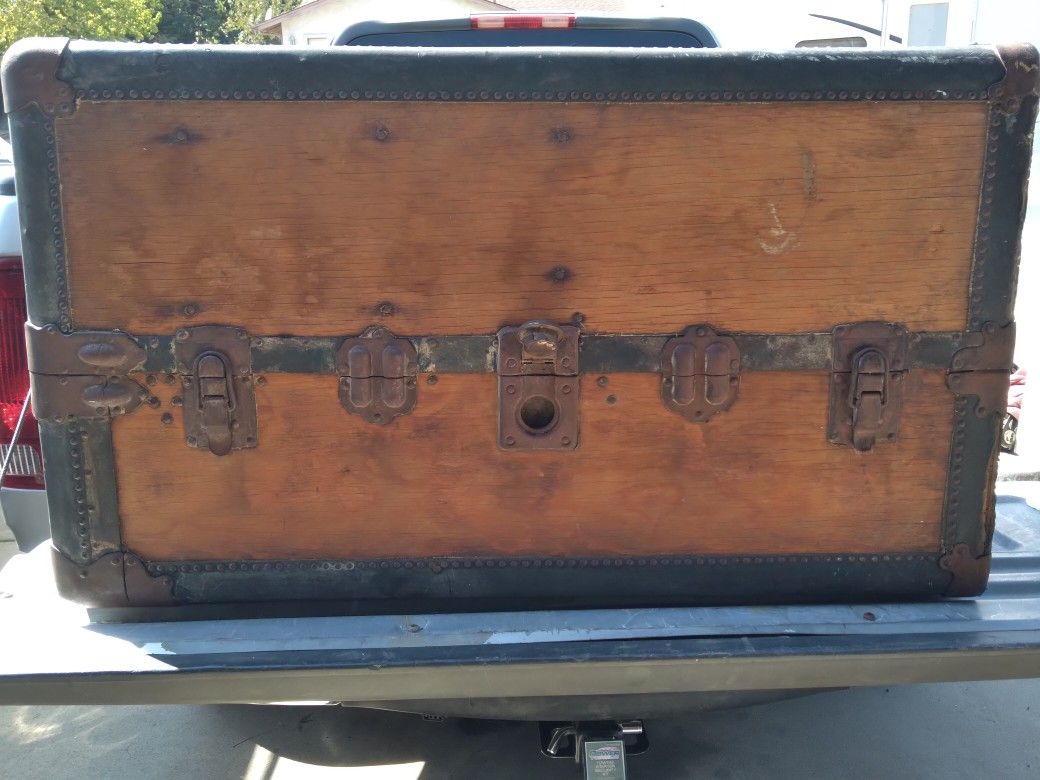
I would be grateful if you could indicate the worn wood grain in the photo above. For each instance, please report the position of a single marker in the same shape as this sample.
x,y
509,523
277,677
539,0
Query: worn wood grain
x,y
312,218
759,479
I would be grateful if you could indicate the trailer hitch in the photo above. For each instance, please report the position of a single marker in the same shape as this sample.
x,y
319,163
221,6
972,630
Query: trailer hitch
x,y
598,747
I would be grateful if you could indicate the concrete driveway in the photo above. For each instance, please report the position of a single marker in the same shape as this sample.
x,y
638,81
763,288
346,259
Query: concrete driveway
x,y
971,730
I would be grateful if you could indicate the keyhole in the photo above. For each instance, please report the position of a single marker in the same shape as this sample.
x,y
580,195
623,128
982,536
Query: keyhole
x,y
538,414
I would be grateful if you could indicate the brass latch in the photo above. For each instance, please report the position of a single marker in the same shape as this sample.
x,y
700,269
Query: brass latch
x,y
700,373
868,363
215,364
538,388
377,375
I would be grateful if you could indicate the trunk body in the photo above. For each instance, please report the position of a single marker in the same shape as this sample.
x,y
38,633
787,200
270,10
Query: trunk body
x,y
485,330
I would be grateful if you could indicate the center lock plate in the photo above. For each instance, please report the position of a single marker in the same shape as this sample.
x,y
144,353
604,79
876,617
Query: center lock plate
x,y
538,387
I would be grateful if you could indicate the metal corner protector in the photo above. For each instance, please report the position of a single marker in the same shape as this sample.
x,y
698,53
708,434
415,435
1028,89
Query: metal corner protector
x,y
30,76
116,579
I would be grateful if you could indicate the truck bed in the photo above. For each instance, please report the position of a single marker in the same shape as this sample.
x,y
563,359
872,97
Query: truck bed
x,y
54,653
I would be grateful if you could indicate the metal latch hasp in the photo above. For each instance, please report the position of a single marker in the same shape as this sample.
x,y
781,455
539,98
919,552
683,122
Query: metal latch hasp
x,y
700,373
868,367
215,364
982,368
377,375
82,374
538,386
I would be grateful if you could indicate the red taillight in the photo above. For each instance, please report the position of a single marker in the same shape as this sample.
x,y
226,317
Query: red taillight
x,y
26,467
521,21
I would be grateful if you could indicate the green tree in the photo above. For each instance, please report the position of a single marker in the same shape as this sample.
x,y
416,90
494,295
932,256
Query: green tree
x,y
243,14
110,20
193,21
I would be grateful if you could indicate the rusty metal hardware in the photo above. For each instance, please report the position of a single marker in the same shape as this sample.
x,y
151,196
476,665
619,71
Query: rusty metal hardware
x,y
216,389
538,386
31,76
215,364
82,374
970,574
868,370
868,396
700,373
377,375
99,352
58,398
983,367
115,579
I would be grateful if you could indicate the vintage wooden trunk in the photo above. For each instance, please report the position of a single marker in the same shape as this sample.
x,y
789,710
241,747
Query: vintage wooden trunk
x,y
504,329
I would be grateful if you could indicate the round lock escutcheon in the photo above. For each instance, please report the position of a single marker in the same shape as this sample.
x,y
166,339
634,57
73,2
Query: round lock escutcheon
x,y
537,414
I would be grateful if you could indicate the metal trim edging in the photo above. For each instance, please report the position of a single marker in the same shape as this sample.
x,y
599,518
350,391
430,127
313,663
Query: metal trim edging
x,y
374,73
601,353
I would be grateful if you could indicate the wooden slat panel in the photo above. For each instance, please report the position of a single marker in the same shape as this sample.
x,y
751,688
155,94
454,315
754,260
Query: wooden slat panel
x,y
295,218
760,478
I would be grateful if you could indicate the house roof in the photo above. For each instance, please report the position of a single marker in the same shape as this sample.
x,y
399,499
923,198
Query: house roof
x,y
271,25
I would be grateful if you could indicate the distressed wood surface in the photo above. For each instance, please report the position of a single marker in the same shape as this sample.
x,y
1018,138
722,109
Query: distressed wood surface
x,y
312,218
759,479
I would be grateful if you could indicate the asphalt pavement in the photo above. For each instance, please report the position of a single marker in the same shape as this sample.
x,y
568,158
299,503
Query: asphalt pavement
x,y
963,730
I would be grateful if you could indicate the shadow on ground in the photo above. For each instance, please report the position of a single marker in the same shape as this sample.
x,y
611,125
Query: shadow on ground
x,y
946,731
